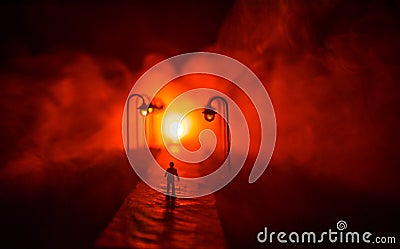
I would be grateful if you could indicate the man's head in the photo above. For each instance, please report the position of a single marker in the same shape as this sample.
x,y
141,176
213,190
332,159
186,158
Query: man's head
x,y
171,164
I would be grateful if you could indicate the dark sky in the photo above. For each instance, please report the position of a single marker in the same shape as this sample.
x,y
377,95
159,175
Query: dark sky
x,y
123,29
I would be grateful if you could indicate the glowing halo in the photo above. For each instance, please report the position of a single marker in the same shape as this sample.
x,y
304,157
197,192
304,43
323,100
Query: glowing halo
x,y
225,67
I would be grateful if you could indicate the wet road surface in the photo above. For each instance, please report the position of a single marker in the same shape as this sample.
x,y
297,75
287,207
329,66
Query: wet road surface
x,y
149,219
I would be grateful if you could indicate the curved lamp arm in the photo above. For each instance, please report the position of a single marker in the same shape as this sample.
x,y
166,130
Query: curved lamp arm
x,y
210,109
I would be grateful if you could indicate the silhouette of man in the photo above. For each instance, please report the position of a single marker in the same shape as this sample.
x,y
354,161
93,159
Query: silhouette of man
x,y
171,173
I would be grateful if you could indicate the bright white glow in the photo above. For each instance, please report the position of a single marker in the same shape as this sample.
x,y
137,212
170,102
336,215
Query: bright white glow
x,y
174,127
143,112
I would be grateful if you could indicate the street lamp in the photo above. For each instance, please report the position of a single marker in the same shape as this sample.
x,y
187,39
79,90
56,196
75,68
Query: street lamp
x,y
142,110
209,115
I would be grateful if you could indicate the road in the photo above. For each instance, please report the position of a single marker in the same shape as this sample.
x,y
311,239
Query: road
x,y
149,219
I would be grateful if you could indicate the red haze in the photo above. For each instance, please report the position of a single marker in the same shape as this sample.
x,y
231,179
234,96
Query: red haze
x,y
333,83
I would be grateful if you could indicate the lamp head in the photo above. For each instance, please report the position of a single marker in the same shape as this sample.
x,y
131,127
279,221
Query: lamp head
x,y
143,109
155,105
152,107
209,114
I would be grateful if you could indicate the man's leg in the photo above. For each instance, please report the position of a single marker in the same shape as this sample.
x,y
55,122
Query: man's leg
x,y
173,188
168,183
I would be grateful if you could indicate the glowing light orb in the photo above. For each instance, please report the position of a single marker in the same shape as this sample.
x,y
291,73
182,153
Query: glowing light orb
x,y
174,127
143,112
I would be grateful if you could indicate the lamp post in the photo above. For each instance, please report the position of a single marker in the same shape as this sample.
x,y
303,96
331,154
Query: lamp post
x,y
142,110
209,115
